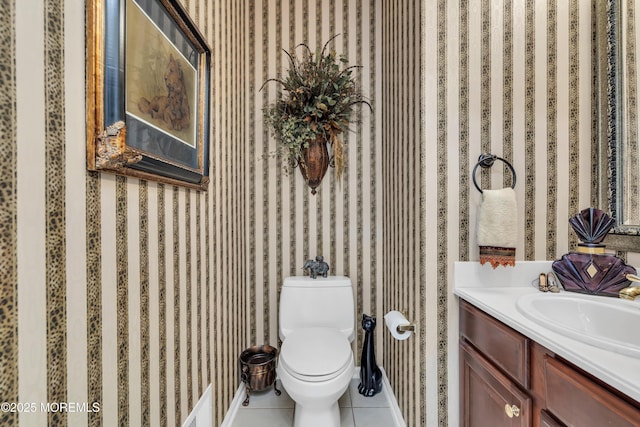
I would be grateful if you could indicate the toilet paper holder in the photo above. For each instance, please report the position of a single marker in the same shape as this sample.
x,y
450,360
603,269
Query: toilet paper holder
x,y
407,328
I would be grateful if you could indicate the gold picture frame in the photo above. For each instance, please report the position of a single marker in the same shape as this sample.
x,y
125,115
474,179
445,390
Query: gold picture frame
x,y
148,81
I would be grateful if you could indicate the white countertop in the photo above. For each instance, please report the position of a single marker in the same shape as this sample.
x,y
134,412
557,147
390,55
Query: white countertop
x,y
496,293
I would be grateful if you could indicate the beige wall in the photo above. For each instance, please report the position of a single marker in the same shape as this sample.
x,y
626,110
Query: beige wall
x,y
121,292
448,80
368,225
512,78
343,221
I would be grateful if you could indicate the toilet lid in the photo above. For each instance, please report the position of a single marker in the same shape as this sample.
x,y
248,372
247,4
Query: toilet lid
x,y
315,354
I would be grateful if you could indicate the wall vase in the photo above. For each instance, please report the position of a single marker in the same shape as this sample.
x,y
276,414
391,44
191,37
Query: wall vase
x,y
314,162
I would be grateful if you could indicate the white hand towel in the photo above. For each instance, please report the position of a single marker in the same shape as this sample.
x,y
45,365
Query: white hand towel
x,y
497,227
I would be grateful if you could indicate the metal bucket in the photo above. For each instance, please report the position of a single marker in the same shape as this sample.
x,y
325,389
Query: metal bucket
x,y
258,369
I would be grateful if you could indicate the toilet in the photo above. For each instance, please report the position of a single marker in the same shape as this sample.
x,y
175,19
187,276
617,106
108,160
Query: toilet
x,y
316,363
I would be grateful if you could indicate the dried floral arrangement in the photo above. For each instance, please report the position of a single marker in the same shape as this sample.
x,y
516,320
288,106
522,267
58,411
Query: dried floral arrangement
x,y
319,95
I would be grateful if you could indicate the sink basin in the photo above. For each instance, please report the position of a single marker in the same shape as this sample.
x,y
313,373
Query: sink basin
x,y
607,323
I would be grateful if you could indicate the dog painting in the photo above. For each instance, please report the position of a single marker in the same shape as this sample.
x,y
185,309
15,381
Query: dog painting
x,y
172,108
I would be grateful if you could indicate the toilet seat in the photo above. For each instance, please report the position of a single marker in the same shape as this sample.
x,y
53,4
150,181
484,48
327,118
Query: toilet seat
x,y
315,354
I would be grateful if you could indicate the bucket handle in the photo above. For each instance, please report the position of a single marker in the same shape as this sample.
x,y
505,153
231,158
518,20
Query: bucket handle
x,y
244,375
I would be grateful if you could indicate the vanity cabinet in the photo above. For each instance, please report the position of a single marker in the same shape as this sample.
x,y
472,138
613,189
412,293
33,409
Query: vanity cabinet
x,y
506,379
494,372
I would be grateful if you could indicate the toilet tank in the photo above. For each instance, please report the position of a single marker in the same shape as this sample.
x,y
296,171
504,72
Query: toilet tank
x,y
322,302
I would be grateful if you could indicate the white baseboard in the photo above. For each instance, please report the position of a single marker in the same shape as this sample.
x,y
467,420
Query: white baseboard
x,y
233,408
386,386
202,414
391,397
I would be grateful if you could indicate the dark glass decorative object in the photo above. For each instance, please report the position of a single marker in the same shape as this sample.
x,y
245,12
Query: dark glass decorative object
x,y
589,269
370,373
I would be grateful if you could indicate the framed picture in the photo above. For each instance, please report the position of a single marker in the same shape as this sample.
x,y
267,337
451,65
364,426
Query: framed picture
x,y
147,92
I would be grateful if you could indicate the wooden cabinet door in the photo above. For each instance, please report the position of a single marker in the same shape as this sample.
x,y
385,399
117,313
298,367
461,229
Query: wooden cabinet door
x,y
488,398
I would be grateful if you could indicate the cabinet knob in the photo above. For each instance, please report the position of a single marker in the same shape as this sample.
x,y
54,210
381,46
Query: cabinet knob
x,y
511,410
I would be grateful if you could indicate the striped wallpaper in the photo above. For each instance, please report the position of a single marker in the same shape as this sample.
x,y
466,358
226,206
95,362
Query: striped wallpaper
x,y
115,291
403,201
137,295
510,77
342,221
514,78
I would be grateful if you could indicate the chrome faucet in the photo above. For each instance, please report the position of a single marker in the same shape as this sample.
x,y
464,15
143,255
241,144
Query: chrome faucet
x,y
630,292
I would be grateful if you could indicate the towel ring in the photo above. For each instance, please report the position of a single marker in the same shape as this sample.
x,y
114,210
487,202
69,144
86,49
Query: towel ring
x,y
486,160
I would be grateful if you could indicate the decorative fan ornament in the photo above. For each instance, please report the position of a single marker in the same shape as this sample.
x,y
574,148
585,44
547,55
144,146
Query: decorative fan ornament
x,y
592,225
590,270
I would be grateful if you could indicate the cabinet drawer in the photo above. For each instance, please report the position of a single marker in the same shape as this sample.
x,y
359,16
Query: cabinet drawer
x,y
547,420
578,401
506,348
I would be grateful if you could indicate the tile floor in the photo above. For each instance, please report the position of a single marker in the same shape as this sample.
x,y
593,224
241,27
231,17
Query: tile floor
x,y
267,409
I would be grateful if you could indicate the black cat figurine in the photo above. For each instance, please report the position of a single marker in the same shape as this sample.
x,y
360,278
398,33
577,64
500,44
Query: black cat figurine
x,y
370,374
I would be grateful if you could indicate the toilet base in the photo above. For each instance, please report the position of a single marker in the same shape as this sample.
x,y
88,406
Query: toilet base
x,y
317,417
316,401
